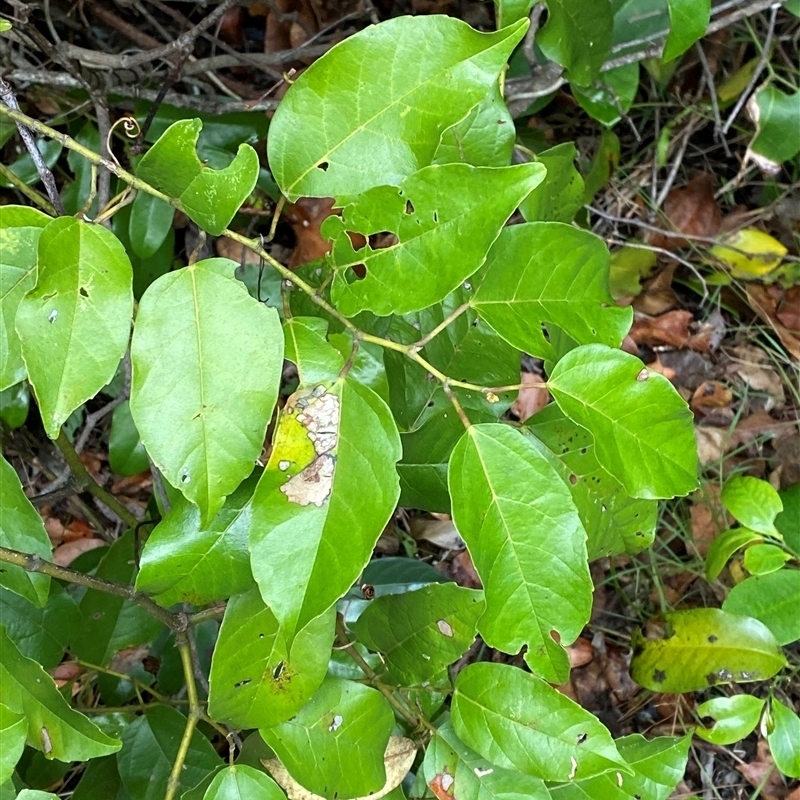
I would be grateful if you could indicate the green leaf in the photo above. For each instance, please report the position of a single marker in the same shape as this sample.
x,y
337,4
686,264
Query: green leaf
x,y
724,546
560,277
53,727
703,647
642,428
149,748
560,196
783,739
76,195
184,561
42,634
611,96
21,528
36,794
101,779
615,522
778,137
688,22
467,348
242,783
210,197
307,347
629,265
74,326
507,12
325,496
126,453
26,170
111,623
14,405
788,521
20,228
150,222
773,599
761,559
518,721
334,746
423,468
421,632
474,778
578,36
13,731
527,543
444,228
198,335
734,718
260,674
604,163
484,138
368,126
753,502
658,765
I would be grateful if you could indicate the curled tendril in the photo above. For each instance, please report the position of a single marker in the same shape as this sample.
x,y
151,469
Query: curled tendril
x,y
132,129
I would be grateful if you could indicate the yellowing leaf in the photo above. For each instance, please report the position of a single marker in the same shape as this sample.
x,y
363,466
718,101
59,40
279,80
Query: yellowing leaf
x,y
750,253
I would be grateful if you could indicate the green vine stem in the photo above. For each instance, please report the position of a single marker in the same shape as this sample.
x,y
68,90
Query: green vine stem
x,y
410,350
29,192
177,622
85,481
194,716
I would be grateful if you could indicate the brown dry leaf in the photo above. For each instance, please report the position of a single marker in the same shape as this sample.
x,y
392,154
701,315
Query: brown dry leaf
x,y
306,216
657,295
442,533
290,23
759,425
788,311
763,767
670,329
662,369
765,305
787,458
674,587
227,248
55,529
461,570
709,518
689,209
794,795
126,660
530,398
66,553
66,673
712,443
398,760
710,395
77,529
580,652
761,378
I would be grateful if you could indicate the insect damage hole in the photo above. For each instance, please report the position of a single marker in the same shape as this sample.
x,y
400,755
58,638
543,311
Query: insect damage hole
x,y
323,165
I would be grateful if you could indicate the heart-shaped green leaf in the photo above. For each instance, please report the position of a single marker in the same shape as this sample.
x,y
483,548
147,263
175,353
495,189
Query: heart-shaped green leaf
x,y
734,718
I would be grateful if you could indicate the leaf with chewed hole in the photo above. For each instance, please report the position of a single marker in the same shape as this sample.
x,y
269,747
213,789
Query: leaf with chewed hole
x,y
373,109
444,230
74,326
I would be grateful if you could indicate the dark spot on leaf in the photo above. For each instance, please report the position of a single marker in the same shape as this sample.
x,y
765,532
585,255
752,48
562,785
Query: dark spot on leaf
x,y
435,216
659,676
582,737
323,165
430,405
97,615
583,451
573,479
409,207
711,679
260,635
83,292
359,271
242,683
712,638
279,670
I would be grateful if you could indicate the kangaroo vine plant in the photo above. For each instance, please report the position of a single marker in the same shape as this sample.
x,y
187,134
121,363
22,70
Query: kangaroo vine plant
x,y
329,674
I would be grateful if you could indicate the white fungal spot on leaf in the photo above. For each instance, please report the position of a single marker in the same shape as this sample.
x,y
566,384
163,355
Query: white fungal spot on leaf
x,y
336,723
284,465
318,413
643,375
52,316
444,628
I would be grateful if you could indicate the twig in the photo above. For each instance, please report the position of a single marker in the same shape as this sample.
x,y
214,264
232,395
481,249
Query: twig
x,y
530,35
762,62
33,563
9,99
676,165
86,482
454,315
28,191
456,405
712,92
